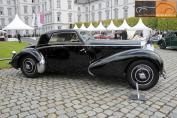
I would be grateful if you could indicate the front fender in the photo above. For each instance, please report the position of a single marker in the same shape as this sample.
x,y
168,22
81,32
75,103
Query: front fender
x,y
160,41
29,52
128,56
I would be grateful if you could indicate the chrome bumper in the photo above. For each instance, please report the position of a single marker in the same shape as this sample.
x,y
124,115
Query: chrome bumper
x,y
163,74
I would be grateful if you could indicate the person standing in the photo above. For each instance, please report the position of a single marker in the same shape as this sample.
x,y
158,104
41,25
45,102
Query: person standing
x,y
19,38
124,35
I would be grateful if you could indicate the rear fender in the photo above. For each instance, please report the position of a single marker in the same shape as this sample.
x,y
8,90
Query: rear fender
x,y
16,60
132,55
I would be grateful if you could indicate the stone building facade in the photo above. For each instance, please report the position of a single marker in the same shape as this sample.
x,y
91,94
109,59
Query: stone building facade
x,y
59,14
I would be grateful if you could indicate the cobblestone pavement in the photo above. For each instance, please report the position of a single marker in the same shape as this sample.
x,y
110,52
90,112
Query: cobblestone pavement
x,y
83,96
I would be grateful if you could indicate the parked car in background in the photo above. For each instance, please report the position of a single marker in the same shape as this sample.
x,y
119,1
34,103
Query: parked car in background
x,y
170,40
3,35
68,51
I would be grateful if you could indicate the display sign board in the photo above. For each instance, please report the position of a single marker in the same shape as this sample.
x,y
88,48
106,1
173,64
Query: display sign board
x,y
155,8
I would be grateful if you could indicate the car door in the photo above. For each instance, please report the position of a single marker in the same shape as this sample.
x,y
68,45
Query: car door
x,y
66,53
168,40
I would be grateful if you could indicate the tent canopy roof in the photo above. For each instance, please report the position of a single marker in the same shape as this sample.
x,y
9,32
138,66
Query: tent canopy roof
x,y
100,27
91,27
140,26
75,27
112,26
124,26
17,24
83,27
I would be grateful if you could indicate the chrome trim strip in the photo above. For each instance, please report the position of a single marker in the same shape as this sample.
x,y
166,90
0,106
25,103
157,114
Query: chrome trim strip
x,y
90,71
88,46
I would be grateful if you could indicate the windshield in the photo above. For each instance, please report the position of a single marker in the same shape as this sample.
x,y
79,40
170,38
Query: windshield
x,y
86,36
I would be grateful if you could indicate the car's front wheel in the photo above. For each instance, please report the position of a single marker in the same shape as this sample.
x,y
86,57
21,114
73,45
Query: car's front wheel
x,y
29,67
144,73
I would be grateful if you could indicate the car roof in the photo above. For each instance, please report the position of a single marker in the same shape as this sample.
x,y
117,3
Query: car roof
x,y
61,30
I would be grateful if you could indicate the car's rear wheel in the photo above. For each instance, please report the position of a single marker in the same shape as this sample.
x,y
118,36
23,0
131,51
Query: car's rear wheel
x,y
162,45
29,67
144,73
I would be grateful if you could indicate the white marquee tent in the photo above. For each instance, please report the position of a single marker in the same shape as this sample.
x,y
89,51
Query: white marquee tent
x,y
91,27
17,24
100,27
83,27
141,26
75,27
124,26
112,26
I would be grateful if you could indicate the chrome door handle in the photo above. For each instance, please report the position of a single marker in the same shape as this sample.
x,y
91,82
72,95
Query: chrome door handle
x,y
83,50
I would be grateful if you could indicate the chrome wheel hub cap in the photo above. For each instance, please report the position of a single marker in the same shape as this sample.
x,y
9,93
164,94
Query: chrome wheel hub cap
x,y
143,74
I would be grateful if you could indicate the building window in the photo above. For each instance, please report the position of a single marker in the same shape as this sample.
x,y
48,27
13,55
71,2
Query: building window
x,y
86,9
69,4
116,13
100,6
69,17
33,9
39,8
125,2
8,2
26,19
10,20
79,9
58,3
93,7
9,11
93,16
116,2
59,27
125,13
107,14
43,7
59,16
3,21
25,9
100,15
107,4
1,11
87,17
79,17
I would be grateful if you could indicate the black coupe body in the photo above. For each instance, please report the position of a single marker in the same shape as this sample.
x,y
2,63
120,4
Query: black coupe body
x,y
68,51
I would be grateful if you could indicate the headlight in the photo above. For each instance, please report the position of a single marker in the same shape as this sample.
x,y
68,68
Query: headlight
x,y
149,47
14,53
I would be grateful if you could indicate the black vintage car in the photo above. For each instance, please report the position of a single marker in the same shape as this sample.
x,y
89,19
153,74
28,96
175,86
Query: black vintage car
x,y
68,51
170,40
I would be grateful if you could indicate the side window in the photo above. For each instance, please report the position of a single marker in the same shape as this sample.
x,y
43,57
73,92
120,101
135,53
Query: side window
x,y
64,37
175,34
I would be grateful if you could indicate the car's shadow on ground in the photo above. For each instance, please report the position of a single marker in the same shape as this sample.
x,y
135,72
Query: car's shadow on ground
x,y
171,49
100,80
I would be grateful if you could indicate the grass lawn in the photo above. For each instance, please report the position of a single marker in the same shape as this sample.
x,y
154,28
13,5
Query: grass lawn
x,y
5,51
